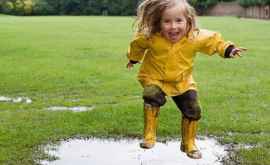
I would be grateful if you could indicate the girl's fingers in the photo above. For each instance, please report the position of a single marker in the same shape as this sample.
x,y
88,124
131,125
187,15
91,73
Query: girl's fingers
x,y
129,66
234,54
243,49
238,54
237,51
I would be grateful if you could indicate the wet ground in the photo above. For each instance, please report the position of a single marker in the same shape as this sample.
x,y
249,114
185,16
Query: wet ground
x,y
15,99
127,152
74,109
27,100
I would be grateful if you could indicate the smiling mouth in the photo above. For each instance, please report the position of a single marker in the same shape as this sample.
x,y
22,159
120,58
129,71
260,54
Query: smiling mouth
x,y
173,35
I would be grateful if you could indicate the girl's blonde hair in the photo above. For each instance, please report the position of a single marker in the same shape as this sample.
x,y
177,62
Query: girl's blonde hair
x,y
149,15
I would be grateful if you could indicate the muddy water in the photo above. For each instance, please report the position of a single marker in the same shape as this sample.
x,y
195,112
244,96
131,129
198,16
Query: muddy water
x,y
127,152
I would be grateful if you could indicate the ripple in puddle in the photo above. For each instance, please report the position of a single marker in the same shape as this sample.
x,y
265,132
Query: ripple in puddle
x,y
122,152
74,109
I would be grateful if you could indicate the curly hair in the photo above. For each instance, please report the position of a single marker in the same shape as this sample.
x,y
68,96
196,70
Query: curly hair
x,y
149,14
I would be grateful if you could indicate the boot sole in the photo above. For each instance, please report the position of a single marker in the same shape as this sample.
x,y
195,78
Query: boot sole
x,y
146,146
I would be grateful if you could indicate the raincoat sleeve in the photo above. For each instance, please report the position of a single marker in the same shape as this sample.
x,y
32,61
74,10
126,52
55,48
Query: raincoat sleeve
x,y
137,48
212,42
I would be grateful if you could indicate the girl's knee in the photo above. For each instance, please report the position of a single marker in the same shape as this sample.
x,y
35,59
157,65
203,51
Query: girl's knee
x,y
154,96
188,104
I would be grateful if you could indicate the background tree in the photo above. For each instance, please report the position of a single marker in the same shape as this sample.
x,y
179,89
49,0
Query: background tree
x,y
28,7
7,7
92,7
247,3
97,7
42,7
201,6
70,7
19,9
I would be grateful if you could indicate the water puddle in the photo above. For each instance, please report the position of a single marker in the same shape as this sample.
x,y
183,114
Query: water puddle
x,y
16,99
123,152
74,109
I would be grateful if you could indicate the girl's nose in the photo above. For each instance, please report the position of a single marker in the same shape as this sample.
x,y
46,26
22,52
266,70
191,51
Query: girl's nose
x,y
173,25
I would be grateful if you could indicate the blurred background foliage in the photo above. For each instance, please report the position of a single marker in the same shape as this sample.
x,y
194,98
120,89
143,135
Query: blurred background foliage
x,y
96,7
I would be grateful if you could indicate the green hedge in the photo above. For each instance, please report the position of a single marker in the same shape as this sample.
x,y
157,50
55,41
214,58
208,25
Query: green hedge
x,y
69,7
96,7
247,3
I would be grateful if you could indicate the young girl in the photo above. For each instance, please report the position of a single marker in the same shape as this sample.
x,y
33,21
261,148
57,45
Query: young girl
x,y
166,43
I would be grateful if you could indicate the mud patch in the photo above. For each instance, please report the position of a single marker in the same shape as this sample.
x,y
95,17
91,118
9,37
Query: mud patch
x,y
127,151
73,109
16,99
232,157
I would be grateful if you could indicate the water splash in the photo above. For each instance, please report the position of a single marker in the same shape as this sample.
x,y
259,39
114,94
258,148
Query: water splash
x,y
127,151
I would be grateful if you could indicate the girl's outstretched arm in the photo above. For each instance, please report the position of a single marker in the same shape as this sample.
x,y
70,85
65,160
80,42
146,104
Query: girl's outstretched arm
x,y
212,42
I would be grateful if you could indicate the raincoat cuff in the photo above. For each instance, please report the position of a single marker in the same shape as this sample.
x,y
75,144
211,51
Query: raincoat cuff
x,y
133,62
228,51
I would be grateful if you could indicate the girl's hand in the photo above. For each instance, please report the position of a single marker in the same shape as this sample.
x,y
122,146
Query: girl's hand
x,y
237,52
130,65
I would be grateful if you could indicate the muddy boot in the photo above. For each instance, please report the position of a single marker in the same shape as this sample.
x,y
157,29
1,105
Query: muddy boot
x,y
150,126
189,128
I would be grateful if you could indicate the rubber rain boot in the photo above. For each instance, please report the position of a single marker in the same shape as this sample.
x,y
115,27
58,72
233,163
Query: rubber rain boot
x,y
150,126
189,129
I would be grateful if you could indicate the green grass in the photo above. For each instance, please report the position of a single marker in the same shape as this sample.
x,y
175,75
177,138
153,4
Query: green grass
x,y
56,60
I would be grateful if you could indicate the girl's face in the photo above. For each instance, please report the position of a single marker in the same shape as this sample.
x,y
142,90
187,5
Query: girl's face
x,y
173,23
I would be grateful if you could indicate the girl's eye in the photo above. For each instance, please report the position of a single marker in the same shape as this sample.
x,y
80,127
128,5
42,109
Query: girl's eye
x,y
179,20
166,21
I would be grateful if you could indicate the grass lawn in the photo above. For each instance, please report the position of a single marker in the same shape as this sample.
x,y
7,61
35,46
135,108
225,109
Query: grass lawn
x,y
80,61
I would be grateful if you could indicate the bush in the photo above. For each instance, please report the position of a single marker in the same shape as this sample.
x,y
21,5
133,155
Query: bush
x,y
41,7
28,7
97,7
8,7
18,7
201,6
247,3
1,3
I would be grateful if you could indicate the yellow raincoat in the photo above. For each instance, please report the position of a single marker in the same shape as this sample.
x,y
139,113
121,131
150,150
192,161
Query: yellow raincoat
x,y
168,65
